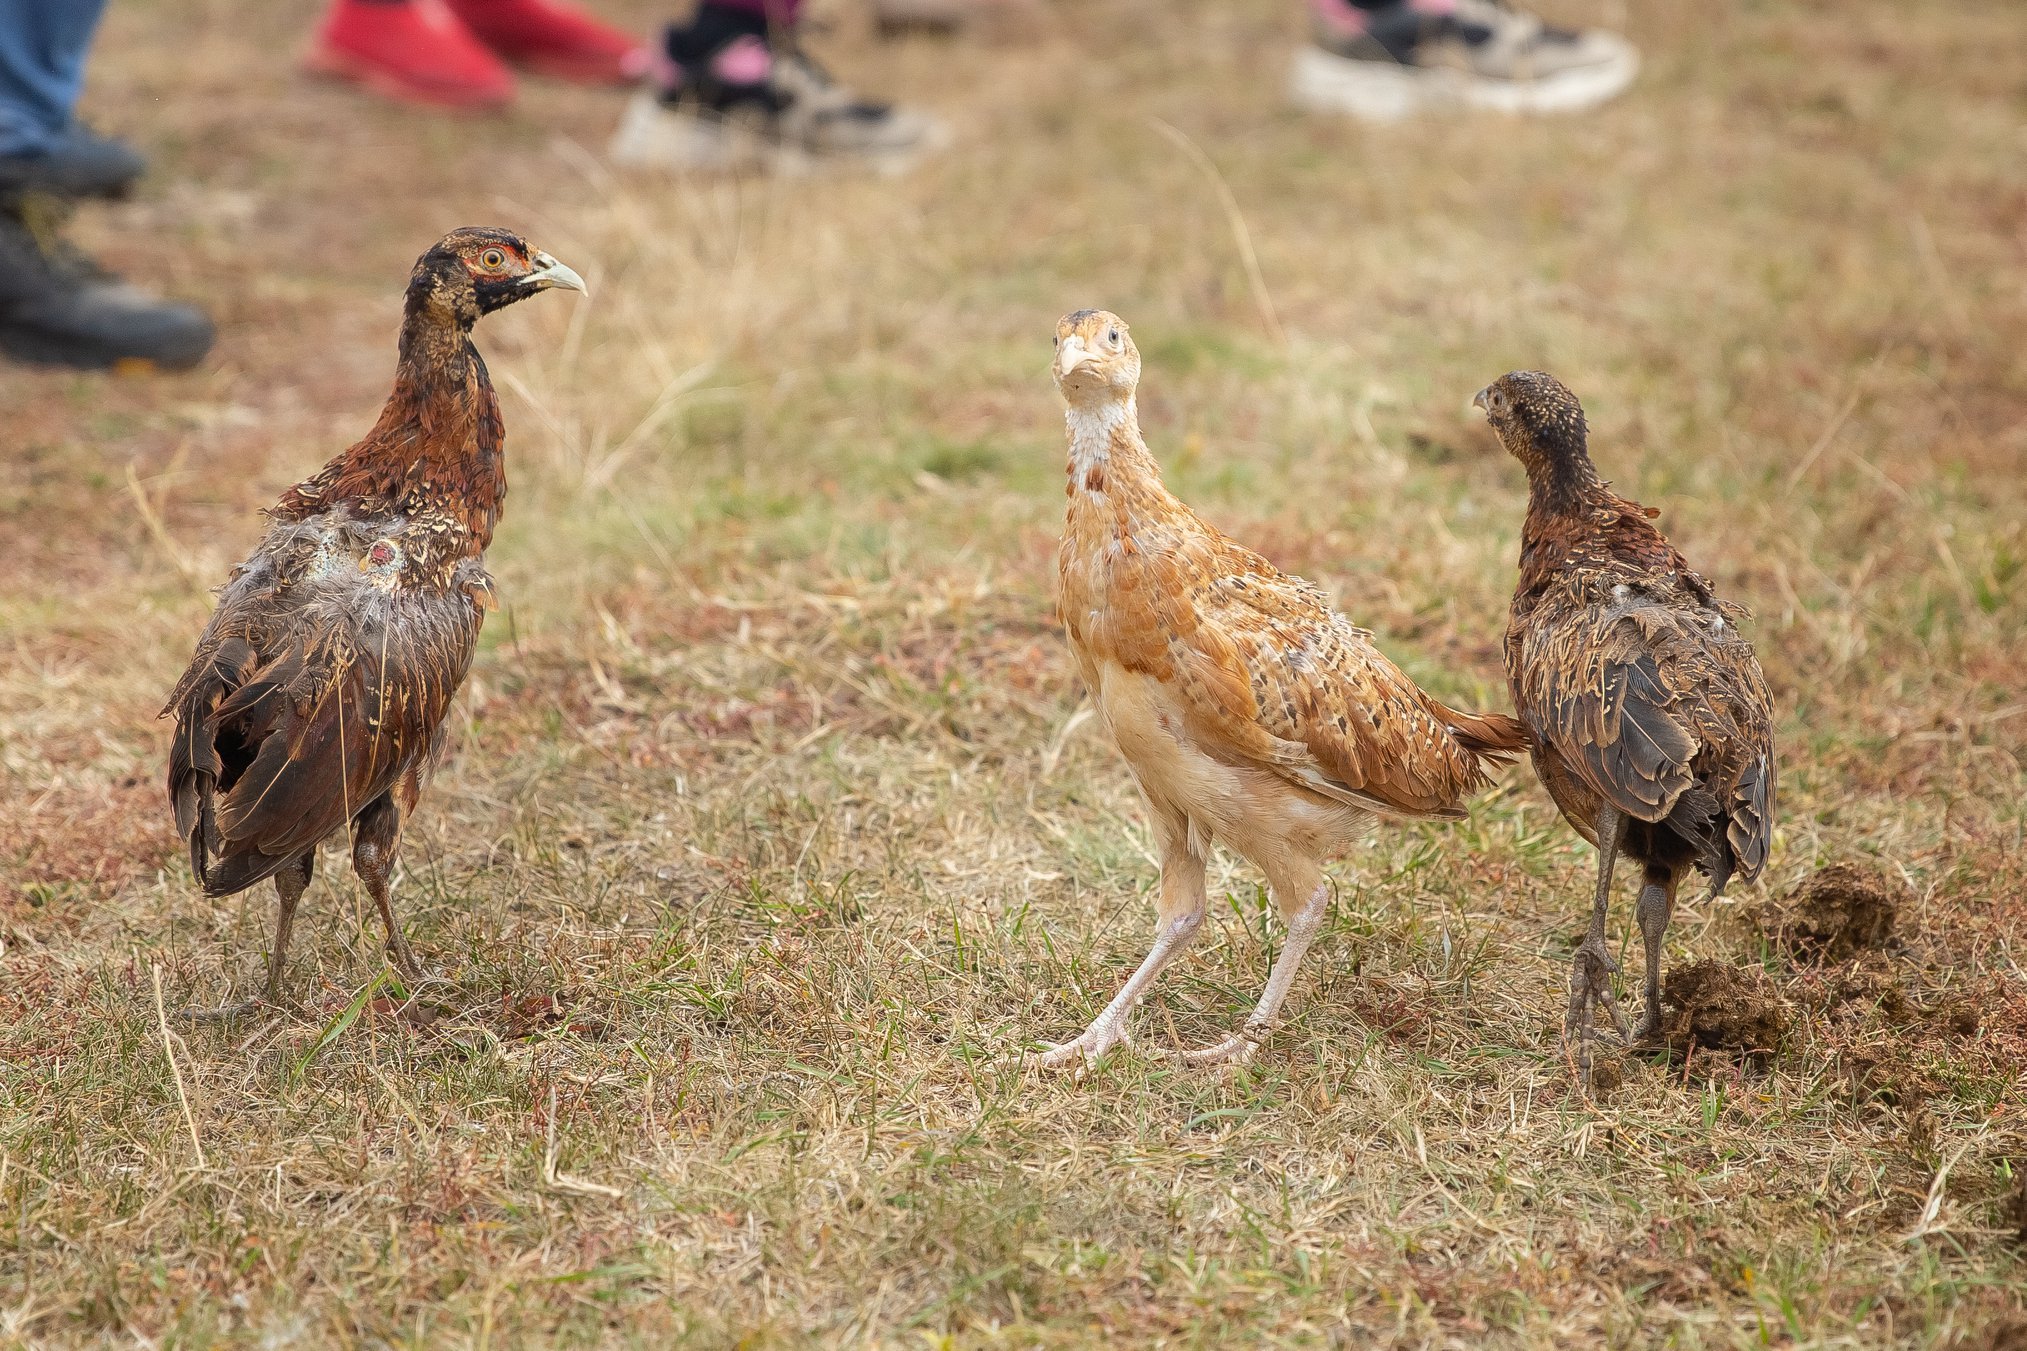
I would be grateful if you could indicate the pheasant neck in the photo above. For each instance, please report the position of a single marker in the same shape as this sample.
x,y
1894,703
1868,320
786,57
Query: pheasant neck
x,y
437,450
1106,451
1588,525
442,395
1562,486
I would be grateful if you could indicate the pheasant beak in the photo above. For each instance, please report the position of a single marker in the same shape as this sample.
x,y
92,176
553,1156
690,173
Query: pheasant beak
x,y
1480,399
1070,354
549,274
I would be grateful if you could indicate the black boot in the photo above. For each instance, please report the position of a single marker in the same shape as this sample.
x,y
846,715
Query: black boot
x,y
78,163
60,308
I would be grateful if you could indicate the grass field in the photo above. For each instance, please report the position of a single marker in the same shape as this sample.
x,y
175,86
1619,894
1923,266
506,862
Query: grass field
x,y
770,834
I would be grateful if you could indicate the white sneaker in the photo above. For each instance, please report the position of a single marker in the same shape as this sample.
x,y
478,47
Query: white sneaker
x,y
750,106
1422,55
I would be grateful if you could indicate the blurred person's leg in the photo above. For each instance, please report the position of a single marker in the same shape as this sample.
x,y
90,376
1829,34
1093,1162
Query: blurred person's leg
x,y
56,304
454,52
733,87
1386,59
42,49
42,147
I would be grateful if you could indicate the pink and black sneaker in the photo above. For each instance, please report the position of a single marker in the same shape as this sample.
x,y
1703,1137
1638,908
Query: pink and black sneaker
x,y
725,93
1389,61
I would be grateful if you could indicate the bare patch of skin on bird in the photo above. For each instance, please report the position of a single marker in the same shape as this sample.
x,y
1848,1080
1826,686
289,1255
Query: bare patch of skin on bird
x,y
342,551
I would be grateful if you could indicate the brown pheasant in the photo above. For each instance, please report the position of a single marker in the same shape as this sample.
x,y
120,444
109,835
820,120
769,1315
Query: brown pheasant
x,y
1650,717
316,693
1251,713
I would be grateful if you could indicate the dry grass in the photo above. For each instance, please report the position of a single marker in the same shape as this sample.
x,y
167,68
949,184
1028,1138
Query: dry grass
x,y
768,835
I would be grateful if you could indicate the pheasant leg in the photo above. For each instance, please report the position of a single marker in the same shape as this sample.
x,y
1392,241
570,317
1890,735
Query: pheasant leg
x,y
289,885
1108,1029
1181,914
1302,928
1656,904
375,841
1592,969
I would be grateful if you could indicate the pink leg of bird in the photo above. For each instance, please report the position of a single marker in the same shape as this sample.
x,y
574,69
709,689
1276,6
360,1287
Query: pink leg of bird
x,y
1181,914
1303,925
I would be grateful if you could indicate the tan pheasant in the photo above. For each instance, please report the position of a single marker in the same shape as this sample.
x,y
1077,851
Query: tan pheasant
x,y
1251,713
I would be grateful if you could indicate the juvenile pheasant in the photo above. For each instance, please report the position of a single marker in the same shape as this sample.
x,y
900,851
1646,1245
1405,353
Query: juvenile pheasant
x,y
315,696
1250,713
1651,722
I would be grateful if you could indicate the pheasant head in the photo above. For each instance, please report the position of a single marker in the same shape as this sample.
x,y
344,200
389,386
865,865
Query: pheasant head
x,y
1096,361
477,270
1541,424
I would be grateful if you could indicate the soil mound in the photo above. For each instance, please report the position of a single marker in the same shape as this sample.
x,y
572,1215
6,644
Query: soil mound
x,y
1842,911
1714,1006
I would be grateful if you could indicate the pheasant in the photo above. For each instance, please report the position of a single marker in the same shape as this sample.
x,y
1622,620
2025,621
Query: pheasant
x,y
1251,713
317,691
1651,723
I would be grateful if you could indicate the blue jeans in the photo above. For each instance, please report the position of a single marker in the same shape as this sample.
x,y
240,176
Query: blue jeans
x,y
42,49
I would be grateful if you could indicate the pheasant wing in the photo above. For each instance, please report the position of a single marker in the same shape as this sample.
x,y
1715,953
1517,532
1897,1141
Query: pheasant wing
x,y
1284,680
304,704
1639,697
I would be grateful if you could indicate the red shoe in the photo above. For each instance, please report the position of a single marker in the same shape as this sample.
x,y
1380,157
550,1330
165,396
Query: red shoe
x,y
550,37
409,49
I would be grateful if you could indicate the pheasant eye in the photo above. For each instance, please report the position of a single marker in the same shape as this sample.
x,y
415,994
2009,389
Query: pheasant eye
x,y
1112,336
493,259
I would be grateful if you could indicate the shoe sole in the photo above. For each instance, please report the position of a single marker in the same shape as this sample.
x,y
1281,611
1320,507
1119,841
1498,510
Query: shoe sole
x,y
908,25
332,64
588,72
1375,92
36,349
651,136
11,193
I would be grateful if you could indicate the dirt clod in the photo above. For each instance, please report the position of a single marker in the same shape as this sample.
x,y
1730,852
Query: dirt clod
x,y
1883,1079
1608,1075
1960,1018
1712,1005
2008,1334
1866,990
1843,910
